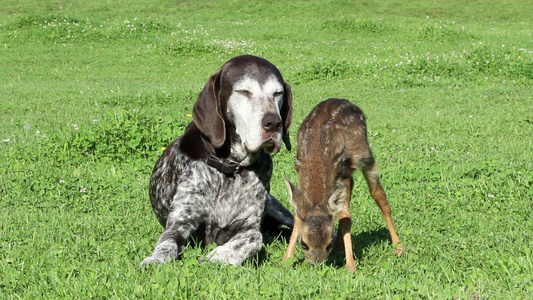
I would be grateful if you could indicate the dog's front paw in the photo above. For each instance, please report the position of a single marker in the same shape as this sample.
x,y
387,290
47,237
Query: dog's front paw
x,y
154,260
219,255
164,252
227,255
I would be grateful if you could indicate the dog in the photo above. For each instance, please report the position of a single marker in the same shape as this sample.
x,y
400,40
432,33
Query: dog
x,y
212,184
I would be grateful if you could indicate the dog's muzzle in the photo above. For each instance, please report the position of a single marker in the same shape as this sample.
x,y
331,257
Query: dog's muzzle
x,y
271,122
271,146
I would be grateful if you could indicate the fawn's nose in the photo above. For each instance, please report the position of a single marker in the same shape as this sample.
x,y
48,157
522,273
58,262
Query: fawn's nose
x,y
271,123
316,257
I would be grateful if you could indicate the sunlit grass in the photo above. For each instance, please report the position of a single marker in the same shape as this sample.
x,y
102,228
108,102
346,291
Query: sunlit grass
x,y
92,93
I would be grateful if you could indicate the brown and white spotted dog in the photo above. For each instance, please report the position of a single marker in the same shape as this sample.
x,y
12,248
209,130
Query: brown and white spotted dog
x,y
212,183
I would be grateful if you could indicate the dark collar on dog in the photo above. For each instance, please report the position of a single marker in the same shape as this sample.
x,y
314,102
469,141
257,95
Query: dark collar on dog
x,y
225,166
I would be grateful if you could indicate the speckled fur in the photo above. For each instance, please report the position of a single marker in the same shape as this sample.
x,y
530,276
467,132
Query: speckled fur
x,y
194,200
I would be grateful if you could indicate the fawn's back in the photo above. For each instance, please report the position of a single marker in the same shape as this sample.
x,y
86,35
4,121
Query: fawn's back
x,y
332,143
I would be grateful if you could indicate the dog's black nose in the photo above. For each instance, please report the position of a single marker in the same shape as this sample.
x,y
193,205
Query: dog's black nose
x,y
271,123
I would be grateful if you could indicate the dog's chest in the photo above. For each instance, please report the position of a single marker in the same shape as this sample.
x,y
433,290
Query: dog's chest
x,y
237,205
238,196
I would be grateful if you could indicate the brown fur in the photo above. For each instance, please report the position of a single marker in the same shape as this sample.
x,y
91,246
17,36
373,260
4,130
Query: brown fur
x,y
332,143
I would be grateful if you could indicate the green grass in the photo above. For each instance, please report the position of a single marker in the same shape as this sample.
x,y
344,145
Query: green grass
x,y
90,92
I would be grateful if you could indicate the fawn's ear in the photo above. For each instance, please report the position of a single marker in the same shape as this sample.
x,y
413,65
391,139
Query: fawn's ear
x,y
338,200
297,198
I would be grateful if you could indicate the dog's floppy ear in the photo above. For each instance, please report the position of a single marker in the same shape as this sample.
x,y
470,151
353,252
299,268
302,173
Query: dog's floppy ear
x,y
207,114
286,113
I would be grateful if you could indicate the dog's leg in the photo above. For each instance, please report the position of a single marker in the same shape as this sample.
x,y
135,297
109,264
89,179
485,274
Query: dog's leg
x,y
278,212
174,239
378,193
238,248
166,249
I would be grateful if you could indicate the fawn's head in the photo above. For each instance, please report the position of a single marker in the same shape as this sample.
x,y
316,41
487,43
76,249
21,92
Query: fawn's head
x,y
316,220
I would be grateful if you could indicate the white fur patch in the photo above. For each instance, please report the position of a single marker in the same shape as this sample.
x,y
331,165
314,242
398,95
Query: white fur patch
x,y
249,102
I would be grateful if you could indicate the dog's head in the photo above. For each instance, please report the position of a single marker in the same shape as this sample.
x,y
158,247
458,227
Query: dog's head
x,y
247,95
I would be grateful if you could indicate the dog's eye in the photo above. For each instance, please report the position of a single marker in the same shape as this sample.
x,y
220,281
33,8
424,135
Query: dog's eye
x,y
277,94
304,245
244,92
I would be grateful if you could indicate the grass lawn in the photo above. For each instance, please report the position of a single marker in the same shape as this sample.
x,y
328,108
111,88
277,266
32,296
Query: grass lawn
x,y
92,91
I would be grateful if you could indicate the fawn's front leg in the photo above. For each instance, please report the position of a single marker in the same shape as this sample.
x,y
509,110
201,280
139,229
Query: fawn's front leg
x,y
294,239
345,225
345,229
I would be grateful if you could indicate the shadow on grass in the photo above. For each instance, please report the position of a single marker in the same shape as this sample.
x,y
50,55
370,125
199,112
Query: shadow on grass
x,y
360,243
271,235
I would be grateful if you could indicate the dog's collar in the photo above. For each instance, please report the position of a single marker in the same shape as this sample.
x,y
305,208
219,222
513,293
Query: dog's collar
x,y
225,166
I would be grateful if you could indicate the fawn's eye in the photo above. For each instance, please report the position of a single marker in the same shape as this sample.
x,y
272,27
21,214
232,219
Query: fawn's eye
x,y
304,245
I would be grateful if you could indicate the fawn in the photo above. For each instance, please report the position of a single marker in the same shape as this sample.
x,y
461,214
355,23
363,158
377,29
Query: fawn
x,y
332,143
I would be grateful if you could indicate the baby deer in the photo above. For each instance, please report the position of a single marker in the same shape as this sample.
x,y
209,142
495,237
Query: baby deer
x,y
332,143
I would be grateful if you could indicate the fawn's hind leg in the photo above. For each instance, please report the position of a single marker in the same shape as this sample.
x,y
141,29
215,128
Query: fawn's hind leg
x,y
370,172
345,228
